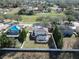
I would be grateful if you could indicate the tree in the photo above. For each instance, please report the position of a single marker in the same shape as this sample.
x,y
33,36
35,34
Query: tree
x,y
22,11
69,10
6,42
49,9
26,12
58,37
76,14
51,19
50,4
62,5
70,18
31,12
22,35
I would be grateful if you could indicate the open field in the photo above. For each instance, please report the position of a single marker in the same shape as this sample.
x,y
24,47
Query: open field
x,y
32,18
27,19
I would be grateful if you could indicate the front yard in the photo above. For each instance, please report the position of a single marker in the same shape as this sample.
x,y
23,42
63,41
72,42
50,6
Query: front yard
x,y
31,44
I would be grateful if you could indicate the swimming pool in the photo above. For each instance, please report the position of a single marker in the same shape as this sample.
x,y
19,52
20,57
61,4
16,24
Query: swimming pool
x,y
15,28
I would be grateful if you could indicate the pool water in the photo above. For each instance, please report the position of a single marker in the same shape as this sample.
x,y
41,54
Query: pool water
x,y
15,28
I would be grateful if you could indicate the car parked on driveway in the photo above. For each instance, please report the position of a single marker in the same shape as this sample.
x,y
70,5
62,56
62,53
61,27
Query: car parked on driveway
x,y
66,31
42,38
40,35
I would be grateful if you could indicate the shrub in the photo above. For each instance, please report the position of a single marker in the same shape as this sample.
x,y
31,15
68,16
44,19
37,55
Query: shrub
x,y
58,37
22,35
70,18
26,12
22,11
6,42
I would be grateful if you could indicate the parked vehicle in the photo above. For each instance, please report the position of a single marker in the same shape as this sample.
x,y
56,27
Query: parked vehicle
x,y
66,31
39,35
42,38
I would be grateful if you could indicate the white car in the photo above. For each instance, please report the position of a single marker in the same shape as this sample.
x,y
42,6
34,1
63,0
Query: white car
x,y
42,38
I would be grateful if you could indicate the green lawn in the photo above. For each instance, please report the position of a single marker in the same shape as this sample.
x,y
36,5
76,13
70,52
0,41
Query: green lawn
x,y
18,44
31,44
53,13
29,18
32,18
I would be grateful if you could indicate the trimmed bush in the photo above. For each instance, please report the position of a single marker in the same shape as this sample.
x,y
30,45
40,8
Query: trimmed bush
x,y
22,36
58,37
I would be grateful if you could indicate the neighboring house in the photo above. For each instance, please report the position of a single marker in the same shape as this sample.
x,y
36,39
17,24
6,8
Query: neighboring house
x,y
1,26
71,25
77,30
13,31
38,25
1,20
40,35
74,25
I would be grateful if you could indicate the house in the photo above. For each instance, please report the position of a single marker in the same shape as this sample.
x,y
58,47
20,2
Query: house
x,y
39,25
77,30
74,25
1,26
1,20
13,31
7,20
40,35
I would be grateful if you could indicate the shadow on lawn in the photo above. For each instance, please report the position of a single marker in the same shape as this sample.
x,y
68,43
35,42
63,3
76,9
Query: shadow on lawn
x,y
52,55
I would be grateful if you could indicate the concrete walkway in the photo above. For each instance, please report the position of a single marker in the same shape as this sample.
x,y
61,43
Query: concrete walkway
x,y
24,41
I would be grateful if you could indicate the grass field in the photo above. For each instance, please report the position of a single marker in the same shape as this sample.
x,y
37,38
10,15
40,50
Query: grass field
x,y
32,18
26,18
